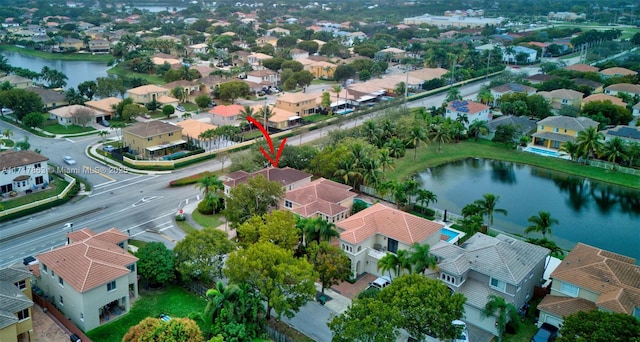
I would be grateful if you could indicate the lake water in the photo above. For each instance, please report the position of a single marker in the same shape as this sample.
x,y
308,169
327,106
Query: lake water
x,y
598,214
76,71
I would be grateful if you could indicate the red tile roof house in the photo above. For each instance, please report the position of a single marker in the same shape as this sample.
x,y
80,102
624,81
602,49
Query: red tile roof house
x,y
370,234
323,198
588,279
288,177
474,111
91,279
485,265
226,115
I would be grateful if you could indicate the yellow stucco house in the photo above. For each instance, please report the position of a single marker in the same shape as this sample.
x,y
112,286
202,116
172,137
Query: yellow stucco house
x,y
16,305
153,139
553,131
148,93
301,104
321,69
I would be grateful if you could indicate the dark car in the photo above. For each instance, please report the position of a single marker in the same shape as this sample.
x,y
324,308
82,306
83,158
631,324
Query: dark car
x,y
29,260
546,333
105,123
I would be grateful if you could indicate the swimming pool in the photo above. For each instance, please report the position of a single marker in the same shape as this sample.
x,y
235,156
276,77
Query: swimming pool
x,y
542,152
344,111
452,235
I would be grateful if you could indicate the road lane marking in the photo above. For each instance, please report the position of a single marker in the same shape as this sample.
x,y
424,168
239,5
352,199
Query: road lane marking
x,y
93,170
122,186
104,184
69,140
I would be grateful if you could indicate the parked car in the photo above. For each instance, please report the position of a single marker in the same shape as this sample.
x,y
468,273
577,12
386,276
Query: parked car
x,y
6,111
108,148
380,283
105,123
164,318
29,260
69,160
180,108
464,332
213,103
546,333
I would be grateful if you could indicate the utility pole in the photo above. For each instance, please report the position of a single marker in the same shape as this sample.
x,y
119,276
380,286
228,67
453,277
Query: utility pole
x,y
406,87
266,126
488,61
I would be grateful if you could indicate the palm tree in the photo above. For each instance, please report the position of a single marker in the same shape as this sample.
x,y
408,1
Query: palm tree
x,y
485,96
103,134
8,133
246,112
388,263
509,50
404,261
572,149
421,258
117,126
634,152
504,312
488,205
424,197
74,97
417,135
385,160
325,230
615,150
476,128
589,142
441,134
349,173
541,223
396,147
556,251
462,118
453,94
208,184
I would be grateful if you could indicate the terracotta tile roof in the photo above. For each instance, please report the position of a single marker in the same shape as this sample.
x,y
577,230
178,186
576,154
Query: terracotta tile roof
x,y
261,73
146,89
151,128
614,277
427,74
582,68
11,159
69,111
89,263
565,94
604,97
617,71
564,306
625,88
105,105
284,176
80,235
320,196
383,220
470,106
192,128
226,111
297,97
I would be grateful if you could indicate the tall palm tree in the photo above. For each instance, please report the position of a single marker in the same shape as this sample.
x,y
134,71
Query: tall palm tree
x,y
388,263
634,153
209,184
245,112
504,312
589,142
615,150
453,94
421,257
541,223
117,126
462,118
440,134
404,261
8,133
348,171
103,134
396,147
417,135
488,204
384,159
572,149
325,230
476,128
424,197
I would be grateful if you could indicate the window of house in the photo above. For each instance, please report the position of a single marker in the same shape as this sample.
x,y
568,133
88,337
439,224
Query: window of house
x,y
21,285
61,300
44,268
23,314
149,139
555,130
568,289
36,166
288,204
392,245
170,134
82,316
60,281
498,284
636,312
565,101
39,180
111,286
132,267
541,127
53,274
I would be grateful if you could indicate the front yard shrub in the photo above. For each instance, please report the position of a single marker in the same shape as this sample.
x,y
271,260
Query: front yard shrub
x,y
193,179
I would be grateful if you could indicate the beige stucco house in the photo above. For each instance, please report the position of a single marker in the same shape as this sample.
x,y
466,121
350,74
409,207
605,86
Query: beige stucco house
x,y
153,139
92,279
76,115
148,93
322,198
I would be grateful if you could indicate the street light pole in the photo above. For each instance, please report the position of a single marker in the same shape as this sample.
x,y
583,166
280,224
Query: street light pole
x,y
266,126
406,88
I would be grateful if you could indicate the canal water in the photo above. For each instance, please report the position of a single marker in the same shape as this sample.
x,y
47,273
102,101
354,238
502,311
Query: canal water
x,y
598,214
76,71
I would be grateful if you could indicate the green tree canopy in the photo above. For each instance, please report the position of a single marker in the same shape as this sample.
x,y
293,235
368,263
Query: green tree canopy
x,y
155,263
330,262
199,256
252,198
366,320
174,330
277,227
21,101
285,283
230,91
600,326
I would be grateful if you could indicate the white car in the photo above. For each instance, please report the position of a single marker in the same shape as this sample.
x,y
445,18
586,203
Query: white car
x,y
380,283
69,160
464,332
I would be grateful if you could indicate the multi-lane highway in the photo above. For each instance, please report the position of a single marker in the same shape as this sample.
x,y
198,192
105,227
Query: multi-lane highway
x,y
140,205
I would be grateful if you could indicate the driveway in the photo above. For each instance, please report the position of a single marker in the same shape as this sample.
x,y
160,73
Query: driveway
x,y
45,329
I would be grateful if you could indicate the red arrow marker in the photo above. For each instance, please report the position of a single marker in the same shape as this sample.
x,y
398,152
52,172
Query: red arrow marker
x,y
269,157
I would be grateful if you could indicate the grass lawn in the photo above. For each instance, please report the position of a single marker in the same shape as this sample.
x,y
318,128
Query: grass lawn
x,y
428,156
316,117
193,179
137,243
207,220
185,226
174,301
7,142
255,133
59,56
126,73
72,129
56,188
525,333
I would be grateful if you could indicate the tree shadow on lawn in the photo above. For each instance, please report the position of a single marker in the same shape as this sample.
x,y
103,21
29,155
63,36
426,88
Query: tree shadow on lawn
x,y
172,300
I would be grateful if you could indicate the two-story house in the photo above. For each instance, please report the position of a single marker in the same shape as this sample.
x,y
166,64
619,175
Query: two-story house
x,y
321,69
370,234
152,139
322,198
299,104
509,88
287,177
485,265
590,278
562,97
71,45
148,93
616,72
624,88
99,46
227,115
16,306
553,131
264,77
256,59
22,171
92,279
474,111
50,98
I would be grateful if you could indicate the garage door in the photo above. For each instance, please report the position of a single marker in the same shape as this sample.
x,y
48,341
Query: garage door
x,y
553,320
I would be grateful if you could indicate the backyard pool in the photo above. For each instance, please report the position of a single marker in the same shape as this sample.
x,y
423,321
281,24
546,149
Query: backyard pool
x,y
452,235
344,111
542,151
